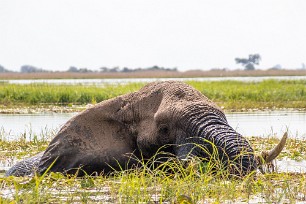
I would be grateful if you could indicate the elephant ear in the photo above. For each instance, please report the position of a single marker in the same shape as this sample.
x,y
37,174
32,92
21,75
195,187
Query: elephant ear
x,y
118,109
136,106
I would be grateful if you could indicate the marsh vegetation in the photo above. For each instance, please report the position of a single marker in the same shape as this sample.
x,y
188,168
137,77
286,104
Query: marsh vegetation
x,y
195,184
228,94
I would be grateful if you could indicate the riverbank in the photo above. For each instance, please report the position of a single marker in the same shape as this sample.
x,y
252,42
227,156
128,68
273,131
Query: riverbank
x,y
23,109
13,109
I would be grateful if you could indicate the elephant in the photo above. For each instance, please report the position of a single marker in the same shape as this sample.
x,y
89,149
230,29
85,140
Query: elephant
x,y
170,114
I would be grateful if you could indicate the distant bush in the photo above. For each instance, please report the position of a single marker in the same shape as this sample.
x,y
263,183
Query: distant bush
x,y
126,69
249,63
30,69
3,70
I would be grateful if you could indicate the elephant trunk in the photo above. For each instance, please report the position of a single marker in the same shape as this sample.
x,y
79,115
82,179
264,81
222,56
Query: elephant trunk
x,y
210,136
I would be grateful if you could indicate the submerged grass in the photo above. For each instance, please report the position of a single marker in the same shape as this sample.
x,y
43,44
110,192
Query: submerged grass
x,y
228,94
193,184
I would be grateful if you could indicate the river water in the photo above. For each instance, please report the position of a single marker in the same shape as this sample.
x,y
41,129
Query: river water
x,y
146,80
258,123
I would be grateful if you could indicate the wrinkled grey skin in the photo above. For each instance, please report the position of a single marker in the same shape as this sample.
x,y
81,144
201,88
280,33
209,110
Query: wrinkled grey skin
x,y
104,137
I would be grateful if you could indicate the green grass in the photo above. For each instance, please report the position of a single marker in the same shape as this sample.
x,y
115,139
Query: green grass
x,y
228,94
35,94
140,187
193,184
265,94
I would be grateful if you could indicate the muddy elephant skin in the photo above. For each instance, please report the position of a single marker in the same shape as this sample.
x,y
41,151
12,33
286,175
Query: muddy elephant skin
x,y
103,138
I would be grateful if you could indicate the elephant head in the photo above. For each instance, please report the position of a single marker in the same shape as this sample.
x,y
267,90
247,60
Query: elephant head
x,y
162,114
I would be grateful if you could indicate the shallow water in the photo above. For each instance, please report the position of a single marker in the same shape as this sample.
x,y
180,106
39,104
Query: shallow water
x,y
146,80
289,165
259,123
269,123
12,126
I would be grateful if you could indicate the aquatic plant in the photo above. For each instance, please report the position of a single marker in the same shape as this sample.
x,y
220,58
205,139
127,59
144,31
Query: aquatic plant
x,y
171,182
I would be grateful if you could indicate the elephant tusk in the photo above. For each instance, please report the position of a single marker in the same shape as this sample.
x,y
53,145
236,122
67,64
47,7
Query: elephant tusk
x,y
266,158
269,156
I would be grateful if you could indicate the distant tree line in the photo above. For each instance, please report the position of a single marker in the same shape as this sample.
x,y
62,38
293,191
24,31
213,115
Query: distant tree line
x,y
248,63
30,69
118,69
33,69
126,69
24,69
79,70
3,70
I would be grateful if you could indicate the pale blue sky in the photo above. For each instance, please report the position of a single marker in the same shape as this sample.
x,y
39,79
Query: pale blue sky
x,y
193,34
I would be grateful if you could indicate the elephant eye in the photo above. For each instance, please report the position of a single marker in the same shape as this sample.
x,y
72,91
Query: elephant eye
x,y
164,129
